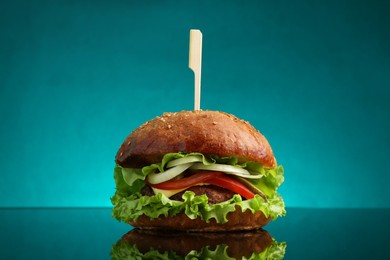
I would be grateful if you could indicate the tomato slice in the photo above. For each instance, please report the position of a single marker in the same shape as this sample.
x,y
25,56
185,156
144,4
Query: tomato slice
x,y
208,177
231,184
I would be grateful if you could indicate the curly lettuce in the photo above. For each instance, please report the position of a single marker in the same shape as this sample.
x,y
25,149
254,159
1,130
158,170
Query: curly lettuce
x,y
129,203
131,207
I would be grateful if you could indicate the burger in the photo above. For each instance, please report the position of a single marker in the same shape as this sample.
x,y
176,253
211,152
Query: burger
x,y
147,244
197,171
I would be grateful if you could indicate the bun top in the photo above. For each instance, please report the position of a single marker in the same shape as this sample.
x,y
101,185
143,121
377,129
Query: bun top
x,y
207,132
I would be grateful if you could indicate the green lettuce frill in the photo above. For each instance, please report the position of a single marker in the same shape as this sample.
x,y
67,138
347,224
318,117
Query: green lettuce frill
x,y
135,205
129,203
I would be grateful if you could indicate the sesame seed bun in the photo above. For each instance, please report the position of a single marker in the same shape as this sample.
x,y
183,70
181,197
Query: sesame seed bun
x,y
207,132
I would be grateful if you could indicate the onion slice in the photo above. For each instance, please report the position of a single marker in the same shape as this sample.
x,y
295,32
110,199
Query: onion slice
x,y
228,169
155,178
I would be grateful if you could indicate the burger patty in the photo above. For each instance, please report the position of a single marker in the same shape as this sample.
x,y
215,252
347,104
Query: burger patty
x,y
214,193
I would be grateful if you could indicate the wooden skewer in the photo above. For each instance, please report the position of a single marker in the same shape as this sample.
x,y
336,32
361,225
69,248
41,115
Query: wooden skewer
x,y
195,62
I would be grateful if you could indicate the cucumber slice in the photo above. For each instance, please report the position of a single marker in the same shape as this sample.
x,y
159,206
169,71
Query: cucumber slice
x,y
184,160
228,169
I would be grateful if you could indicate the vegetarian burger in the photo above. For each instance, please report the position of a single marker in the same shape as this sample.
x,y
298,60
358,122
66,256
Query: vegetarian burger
x,y
197,171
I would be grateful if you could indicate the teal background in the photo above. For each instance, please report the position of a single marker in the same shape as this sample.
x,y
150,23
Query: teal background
x,y
77,76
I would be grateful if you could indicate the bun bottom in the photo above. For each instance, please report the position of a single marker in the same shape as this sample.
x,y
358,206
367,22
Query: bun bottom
x,y
237,221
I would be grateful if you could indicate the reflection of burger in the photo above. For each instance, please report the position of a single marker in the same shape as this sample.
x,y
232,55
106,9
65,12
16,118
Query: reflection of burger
x,y
197,171
141,244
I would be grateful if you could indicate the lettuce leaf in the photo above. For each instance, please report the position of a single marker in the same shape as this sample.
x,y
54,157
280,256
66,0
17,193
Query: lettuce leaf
x,y
128,181
129,204
127,208
270,182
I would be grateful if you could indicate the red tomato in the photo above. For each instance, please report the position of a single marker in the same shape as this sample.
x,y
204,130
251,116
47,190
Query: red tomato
x,y
207,177
231,184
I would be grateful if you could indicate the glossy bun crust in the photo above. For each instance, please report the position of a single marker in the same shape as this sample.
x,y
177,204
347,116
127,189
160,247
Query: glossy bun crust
x,y
237,220
207,132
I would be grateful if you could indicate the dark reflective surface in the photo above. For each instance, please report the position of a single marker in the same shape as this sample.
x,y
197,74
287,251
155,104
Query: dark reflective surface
x,y
92,233
146,244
